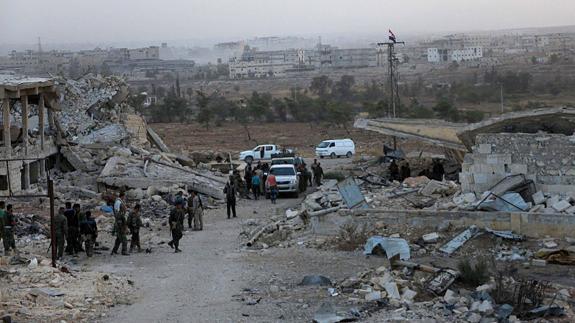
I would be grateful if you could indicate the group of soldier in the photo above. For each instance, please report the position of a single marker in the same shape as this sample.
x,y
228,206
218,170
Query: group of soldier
x,y
74,229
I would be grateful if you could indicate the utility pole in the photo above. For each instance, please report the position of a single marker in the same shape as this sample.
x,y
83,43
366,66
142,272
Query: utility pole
x,y
393,86
501,96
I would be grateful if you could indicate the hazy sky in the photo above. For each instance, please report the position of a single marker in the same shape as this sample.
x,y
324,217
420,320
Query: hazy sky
x,y
22,21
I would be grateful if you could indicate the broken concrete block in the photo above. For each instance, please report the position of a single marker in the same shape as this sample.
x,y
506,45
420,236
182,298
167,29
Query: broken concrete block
x,y
450,297
431,237
474,318
538,198
550,244
464,199
570,210
539,262
434,187
484,307
392,291
416,181
552,200
537,208
561,206
408,295
373,296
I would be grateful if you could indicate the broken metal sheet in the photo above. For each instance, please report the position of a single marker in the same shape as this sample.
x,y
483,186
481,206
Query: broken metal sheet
x,y
441,282
391,246
46,291
327,313
545,311
509,202
351,194
509,235
459,240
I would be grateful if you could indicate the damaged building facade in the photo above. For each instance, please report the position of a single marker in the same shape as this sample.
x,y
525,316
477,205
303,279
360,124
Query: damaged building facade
x,y
28,142
517,170
538,144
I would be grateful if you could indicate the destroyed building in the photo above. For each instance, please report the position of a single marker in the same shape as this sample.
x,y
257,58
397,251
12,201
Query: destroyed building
x,y
28,136
91,132
537,143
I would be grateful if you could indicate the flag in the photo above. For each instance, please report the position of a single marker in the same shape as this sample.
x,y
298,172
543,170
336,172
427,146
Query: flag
x,y
392,36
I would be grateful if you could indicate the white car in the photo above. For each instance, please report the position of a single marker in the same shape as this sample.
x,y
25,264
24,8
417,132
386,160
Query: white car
x,y
287,178
335,148
261,152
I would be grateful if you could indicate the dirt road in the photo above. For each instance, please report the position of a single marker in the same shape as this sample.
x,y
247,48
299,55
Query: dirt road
x,y
196,285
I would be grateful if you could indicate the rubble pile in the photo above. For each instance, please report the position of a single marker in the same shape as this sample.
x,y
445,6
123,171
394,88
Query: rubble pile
x,y
87,104
31,290
392,295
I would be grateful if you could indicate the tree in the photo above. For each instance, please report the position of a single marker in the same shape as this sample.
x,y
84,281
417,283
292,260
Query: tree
x,y
258,106
189,92
205,115
339,114
373,91
320,85
343,88
445,110
178,90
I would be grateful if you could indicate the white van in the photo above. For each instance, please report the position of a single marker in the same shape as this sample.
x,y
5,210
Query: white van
x,y
335,148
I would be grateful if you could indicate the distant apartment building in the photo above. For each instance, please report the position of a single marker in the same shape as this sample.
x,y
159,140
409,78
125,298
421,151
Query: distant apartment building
x,y
443,55
259,64
152,52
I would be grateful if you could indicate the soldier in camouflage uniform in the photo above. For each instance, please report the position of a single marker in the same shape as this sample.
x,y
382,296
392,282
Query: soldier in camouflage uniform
x,y
134,224
177,225
89,231
9,224
61,231
121,225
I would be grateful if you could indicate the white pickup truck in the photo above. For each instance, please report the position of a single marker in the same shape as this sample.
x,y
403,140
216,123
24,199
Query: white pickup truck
x,y
261,152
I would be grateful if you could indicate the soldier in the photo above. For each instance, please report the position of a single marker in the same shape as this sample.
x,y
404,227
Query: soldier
x,y
61,231
190,208
313,169
89,231
393,171
2,218
73,230
230,191
176,226
9,224
121,225
198,211
81,218
318,174
135,223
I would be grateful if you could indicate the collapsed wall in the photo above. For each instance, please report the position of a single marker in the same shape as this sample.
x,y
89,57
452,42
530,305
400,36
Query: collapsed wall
x,y
546,159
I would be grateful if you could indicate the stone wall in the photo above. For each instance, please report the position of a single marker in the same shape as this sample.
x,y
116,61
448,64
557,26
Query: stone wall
x,y
534,225
547,159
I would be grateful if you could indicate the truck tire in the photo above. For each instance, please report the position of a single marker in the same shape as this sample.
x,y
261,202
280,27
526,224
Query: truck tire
x,y
349,154
249,159
332,155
